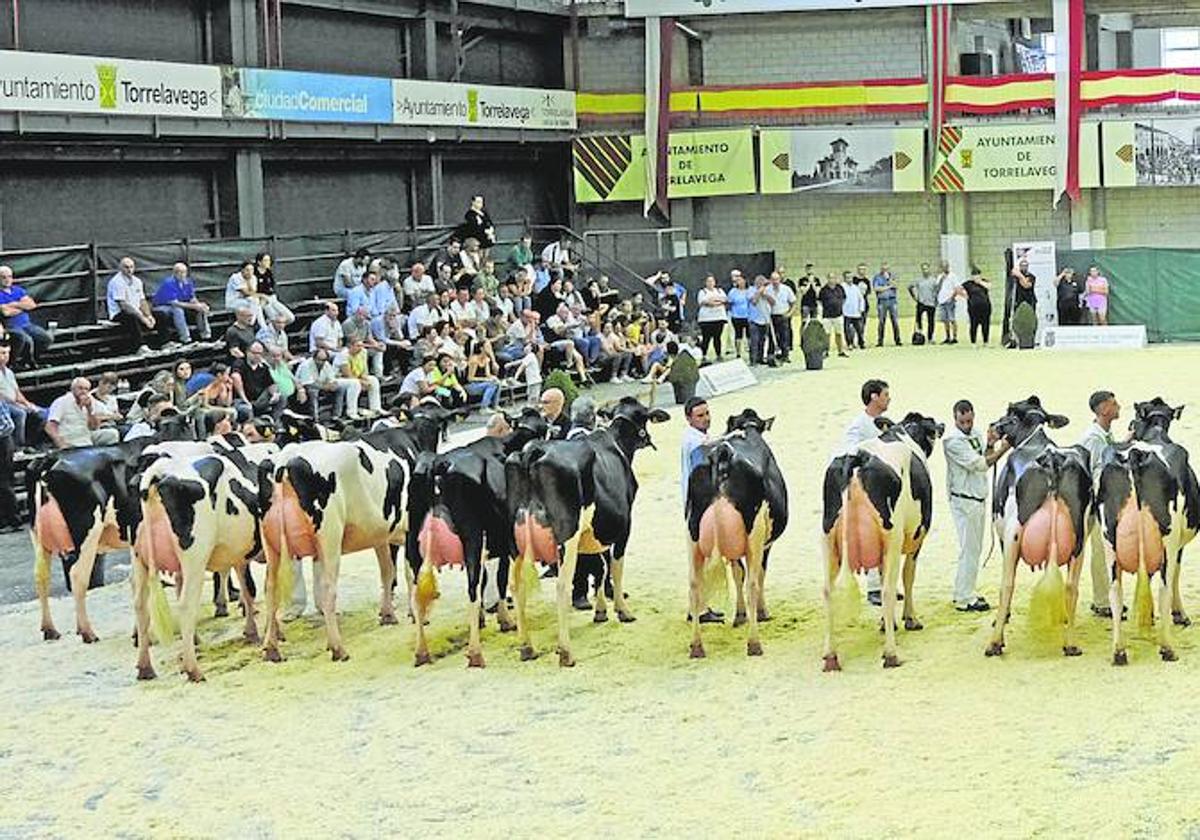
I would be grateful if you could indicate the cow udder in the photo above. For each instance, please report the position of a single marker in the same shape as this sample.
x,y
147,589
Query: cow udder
x,y
439,544
155,535
722,528
1035,537
287,516
52,530
864,530
536,539
1128,522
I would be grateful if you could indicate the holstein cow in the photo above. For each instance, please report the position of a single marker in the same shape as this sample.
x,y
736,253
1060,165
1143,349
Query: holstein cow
x,y
198,514
878,505
80,506
323,500
460,500
1149,507
737,508
576,494
1041,506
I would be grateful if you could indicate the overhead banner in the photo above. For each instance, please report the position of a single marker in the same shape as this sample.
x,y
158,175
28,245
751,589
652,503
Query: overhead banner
x,y
842,160
481,106
995,158
670,8
1157,152
80,84
699,163
305,97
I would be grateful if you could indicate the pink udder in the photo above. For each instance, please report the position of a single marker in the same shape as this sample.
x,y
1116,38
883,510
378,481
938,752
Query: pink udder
x,y
1035,538
52,529
530,533
722,527
155,535
1128,523
286,514
864,534
439,544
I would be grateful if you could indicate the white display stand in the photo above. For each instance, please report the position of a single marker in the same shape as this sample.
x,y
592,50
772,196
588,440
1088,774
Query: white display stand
x,y
1132,337
1043,262
724,377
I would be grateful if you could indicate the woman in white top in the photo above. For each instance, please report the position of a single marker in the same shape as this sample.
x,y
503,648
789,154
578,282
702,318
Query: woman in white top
x,y
242,290
712,316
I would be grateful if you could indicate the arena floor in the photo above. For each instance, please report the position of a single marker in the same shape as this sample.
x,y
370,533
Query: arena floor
x,y
638,739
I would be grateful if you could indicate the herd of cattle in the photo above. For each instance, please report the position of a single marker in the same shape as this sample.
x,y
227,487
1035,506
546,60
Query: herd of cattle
x,y
188,509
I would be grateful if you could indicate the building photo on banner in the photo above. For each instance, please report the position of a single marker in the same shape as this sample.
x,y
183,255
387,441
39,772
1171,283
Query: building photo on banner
x,y
843,159
1152,152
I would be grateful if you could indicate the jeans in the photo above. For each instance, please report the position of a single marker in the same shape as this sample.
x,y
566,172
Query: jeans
x,y
8,501
21,417
29,342
889,309
178,316
783,335
759,333
588,347
925,311
315,395
489,391
855,331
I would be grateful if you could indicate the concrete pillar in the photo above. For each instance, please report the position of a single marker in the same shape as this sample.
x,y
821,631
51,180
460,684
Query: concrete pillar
x,y
1088,223
252,218
243,32
425,63
437,202
956,230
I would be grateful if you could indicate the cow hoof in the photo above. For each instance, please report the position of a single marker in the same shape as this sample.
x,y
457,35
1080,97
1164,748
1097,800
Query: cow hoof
x,y
626,617
422,659
388,620
831,663
89,638
913,624
764,615
339,654
754,648
195,676
1072,650
146,672
1167,654
482,621
49,634
891,660
739,619
1120,658
474,660
994,649
279,634
600,618
697,651
272,655
528,654
1180,618
221,611
252,638
565,659
507,627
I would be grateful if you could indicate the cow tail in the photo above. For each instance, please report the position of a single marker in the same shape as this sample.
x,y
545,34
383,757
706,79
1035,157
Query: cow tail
x,y
845,600
427,589
1143,601
162,626
41,561
1048,601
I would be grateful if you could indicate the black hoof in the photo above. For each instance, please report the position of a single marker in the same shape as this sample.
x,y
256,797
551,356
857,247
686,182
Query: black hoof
x,y
891,660
697,651
475,660
764,615
388,620
739,619
626,617
272,655
1072,650
49,634
1120,658
221,611
913,624
831,663
146,673
565,659
1167,654
754,648
527,653
422,659
994,649
1180,619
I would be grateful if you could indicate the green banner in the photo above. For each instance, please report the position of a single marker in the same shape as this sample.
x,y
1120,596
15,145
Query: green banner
x,y
699,163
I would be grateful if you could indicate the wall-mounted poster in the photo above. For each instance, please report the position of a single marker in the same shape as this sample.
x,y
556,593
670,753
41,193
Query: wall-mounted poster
x,y
1152,152
995,158
842,159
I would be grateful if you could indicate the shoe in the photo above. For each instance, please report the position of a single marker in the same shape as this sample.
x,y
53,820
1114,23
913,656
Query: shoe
x,y
978,605
581,603
876,598
551,572
144,351
710,617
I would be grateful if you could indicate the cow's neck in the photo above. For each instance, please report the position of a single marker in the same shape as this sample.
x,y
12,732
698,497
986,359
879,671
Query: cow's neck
x,y
905,438
626,438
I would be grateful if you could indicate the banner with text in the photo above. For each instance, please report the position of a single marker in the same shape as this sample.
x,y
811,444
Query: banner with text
x,y
842,159
483,106
992,158
81,84
305,97
699,163
1152,152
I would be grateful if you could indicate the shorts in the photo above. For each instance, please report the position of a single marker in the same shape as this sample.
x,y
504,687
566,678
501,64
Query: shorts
x,y
945,312
740,327
834,326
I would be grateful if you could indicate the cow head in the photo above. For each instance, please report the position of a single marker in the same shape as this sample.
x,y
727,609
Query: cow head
x,y
924,431
430,422
628,423
748,419
1024,418
526,426
294,428
1151,415
176,427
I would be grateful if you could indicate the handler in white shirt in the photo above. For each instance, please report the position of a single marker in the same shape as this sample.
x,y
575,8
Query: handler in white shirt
x,y
876,399
967,463
1097,439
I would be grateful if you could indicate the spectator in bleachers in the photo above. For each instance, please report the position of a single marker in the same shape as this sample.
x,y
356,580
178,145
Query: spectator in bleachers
x,y
443,278
416,383
472,260
389,329
571,296
451,260
521,255
427,314
105,408
125,298
541,277
175,301
162,382
70,421
374,294
326,331
522,289
463,312
483,380
477,224
241,333
565,323
274,334
614,353
358,326
546,302
446,387
9,521
179,384
241,290
319,379
352,367
29,340
217,393
157,407
268,298
293,395
504,302
486,279
417,285
255,392
557,255
349,272
426,346
27,417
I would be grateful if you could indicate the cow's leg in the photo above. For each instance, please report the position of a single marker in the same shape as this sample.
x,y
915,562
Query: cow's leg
x,y
41,578
832,565
190,598
81,574
271,587
1007,581
695,598
473,555
911,622
1074,573
220,594
521,564
763,613
566,575
503,618
891,573
739,584
603,565
330,553
754,576
420,607
1115,599
618,581
141,607
1177,612
387,576
1166,599
250,629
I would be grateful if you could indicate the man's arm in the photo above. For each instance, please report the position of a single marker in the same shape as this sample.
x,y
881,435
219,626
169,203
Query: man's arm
x,y
237,385
51,429
960,452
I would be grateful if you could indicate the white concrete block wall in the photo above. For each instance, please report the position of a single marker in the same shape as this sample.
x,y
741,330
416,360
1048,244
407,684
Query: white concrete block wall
x,y
997,220
1153,217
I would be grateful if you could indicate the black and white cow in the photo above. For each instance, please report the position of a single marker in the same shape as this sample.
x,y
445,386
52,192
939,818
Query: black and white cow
x,y
878,505
1149,506
460,500
1041,506
323,500
565,496
737,507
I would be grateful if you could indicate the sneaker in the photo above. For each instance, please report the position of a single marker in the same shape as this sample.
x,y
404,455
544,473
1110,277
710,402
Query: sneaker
x,y
144,351
876,598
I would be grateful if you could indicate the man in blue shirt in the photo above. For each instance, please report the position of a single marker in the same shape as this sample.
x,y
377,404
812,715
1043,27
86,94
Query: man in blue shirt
x,y
884,286
695,435
29,341
175,299
761,335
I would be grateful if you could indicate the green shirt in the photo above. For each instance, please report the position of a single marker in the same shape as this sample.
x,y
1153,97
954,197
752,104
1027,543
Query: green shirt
x,y
281,375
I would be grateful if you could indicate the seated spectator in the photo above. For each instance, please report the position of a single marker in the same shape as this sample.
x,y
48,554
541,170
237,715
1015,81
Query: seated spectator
x,y
557,255
326,331
286,383
255,392
522,290
352,367
416,384
426,347
319,379
472,261
268,298
417,285
105,408
463,312
70,422
156,408
615,356
29,340
521,255
175,301
487,280
482,377
446,387
541,276
572,297
448,265
27,417
565,324
546,302
428,314
358,326
504,301
274,334
216,393
388,329
162,382
9,520
660,370
241,291
349,272
443,278
477,224
125,298
241,333
216,422
182,378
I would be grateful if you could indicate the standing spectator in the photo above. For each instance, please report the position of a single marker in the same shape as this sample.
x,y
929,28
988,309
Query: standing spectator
x,y
782,306
70,422
1096,291
27,417
854,312
760,323
349,272
358,326
175,300
712,304
1069,292
1025,283
875,399
128,308
477,224
949,291
326,331
884,286
482,378
832,299
264,274
8,500
979,305
254,388
863,281
738,298
317,376
30,341
353,374
241,333
521,255
810,288
241,290
924,291
417,285
552,403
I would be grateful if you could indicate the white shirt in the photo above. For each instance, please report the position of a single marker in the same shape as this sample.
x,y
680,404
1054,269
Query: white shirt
x,y
72,419
784,298
413,381
710,313
854,304
8,385
693,438
949,288
348,274
139,429
122,288
966,467
1095,440
463,312
326,330
414,290
309,374
553,254
862,428
237,290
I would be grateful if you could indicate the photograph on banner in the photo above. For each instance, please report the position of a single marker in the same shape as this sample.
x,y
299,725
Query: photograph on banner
x,y
699,163
1152,152
1001,158
1043,265
842,159
257,94
445,103
80,84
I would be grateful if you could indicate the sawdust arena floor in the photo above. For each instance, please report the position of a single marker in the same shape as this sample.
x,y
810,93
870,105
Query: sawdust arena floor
x,y
638,739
